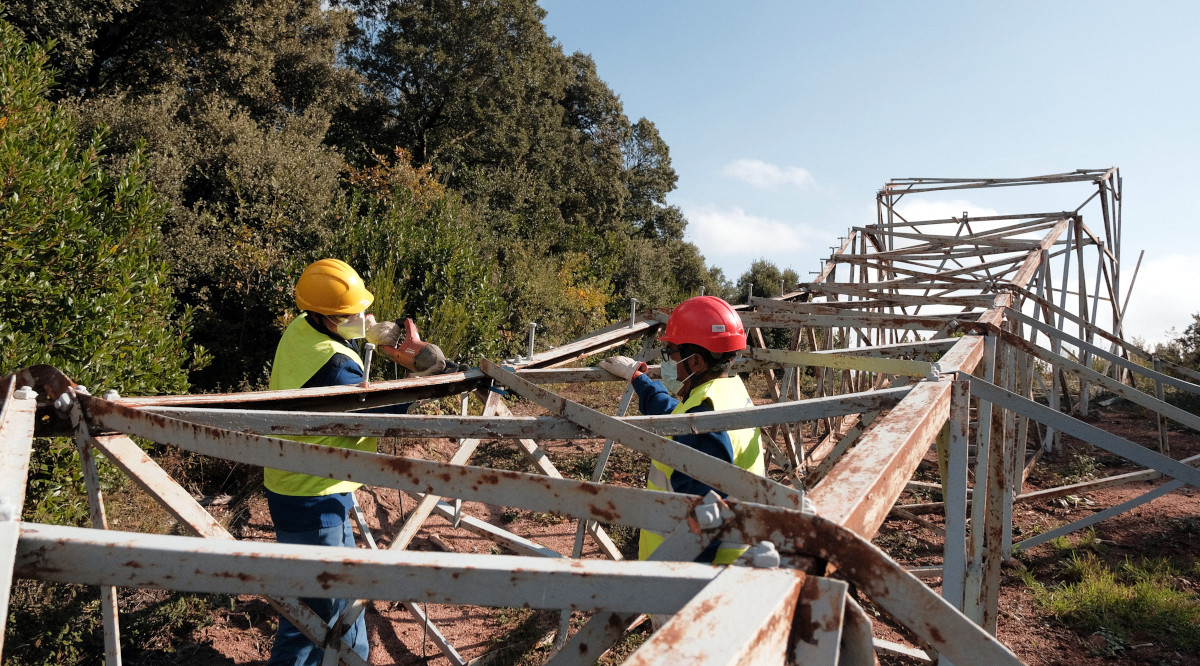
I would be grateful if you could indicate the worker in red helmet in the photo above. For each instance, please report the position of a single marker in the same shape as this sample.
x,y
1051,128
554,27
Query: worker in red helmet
x,y
703,334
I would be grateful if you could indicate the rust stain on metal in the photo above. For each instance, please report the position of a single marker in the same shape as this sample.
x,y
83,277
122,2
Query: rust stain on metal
x,y
936,634
240,575
803,627
327,579
608,515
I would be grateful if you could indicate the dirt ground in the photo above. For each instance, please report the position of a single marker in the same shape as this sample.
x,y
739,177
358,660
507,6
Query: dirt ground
x,y
241,632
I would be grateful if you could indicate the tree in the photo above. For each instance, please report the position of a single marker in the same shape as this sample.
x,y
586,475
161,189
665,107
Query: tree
x,y
418,245
765,279
649,178
233,101
252,112
82,288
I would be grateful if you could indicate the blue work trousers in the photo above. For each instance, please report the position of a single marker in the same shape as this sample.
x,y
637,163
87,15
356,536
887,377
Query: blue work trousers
x,y
292,647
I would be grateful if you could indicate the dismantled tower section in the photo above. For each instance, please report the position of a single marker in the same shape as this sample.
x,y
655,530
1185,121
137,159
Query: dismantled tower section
x,y
977,338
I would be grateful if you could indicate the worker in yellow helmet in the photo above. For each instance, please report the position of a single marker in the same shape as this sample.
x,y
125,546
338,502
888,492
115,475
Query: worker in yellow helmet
x,y
701,337
317,349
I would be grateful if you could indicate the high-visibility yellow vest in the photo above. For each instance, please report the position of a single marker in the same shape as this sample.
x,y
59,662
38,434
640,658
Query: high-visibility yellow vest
x,y
724,393
301,353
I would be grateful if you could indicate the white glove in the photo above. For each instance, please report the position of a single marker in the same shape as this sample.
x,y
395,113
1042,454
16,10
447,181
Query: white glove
x,y
622,366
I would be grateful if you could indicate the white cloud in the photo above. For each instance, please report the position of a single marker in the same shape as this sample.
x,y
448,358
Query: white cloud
x,y
766,176
1164,297
731,238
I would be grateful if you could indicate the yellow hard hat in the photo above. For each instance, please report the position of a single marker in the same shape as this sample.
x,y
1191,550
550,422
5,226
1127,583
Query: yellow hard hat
x,y
332,287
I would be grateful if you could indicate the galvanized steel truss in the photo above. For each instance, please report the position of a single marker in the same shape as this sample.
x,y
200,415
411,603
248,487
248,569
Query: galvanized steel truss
x,y
906,324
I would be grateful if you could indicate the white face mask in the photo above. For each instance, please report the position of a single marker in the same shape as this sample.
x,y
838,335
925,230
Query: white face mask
x,y
670,375
353,327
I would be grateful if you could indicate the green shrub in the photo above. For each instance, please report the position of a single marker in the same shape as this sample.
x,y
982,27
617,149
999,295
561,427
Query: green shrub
x,y
81,288
417,247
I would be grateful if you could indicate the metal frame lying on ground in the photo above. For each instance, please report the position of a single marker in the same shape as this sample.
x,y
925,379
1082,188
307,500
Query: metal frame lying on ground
x,y
909,326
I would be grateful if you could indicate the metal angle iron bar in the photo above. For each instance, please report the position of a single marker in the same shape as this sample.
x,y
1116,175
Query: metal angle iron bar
x,y
818,633
743,616
891,366
1007,237
1099,516
16,444
500,536
876,575
345,398
1112,358
700,466
846,320
1097,484
1044,303
516,427
1058,362
109,557
85,444
1084,431
536,492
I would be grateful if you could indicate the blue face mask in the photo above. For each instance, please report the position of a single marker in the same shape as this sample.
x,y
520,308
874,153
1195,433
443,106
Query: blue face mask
x,y
670,375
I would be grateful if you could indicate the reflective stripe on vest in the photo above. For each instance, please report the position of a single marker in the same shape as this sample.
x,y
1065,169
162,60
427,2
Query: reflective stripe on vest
x,y
724,393
302,351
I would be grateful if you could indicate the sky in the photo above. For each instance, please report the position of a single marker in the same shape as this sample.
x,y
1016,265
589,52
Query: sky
x,y
785,118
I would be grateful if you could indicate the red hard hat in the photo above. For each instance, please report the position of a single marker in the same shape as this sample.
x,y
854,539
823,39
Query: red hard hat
x,y
708,322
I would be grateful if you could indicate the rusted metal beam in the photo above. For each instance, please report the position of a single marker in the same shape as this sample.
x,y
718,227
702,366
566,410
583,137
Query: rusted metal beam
x,y
744,616
700,466
862,487
126,559
817,635
886,583
521,427
847,320
16,443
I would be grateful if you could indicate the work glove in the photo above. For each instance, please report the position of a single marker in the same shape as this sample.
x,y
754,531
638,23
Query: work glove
x,y
623,366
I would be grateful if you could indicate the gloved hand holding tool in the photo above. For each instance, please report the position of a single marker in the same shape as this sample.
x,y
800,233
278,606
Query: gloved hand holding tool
x,y
403,344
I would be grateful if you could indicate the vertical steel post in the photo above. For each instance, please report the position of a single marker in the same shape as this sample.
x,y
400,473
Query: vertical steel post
x,y
17,418
1084,386
973,589
993,526
1013,468
91,480
1163,445
532,329
954,568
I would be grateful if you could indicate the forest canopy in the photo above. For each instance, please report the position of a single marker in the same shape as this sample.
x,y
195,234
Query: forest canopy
x,y
477,175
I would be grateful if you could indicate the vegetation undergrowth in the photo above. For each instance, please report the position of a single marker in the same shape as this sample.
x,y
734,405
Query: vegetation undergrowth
x,y
1133,601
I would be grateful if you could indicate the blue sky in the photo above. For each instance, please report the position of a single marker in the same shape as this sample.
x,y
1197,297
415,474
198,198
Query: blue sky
x,y
785,118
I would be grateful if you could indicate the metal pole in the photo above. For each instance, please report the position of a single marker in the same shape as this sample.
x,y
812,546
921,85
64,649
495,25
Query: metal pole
x,y
955,564
973,588
1163,444
993,527
91,479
